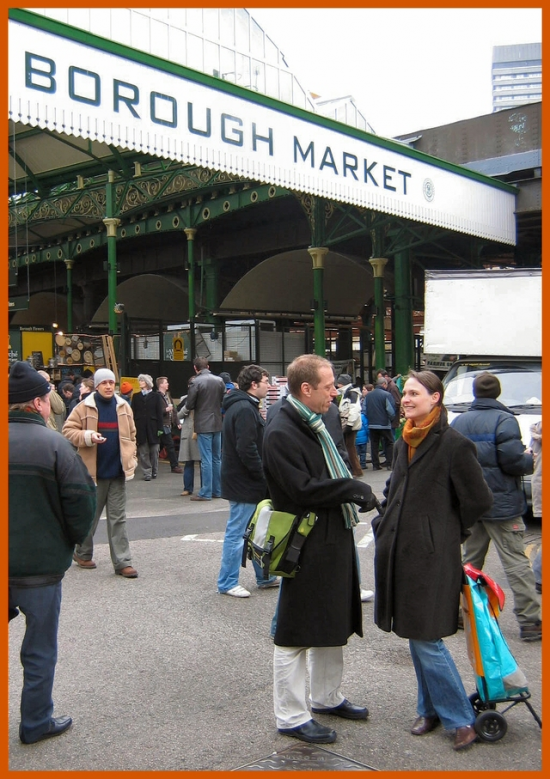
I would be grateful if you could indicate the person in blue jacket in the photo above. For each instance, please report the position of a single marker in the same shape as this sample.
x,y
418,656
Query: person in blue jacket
x,y
361,441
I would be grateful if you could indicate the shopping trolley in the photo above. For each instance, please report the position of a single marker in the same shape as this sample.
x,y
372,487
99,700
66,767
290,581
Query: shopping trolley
x,y
498,676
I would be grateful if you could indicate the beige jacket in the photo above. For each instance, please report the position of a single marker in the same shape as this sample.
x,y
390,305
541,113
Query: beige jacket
x,y
58,411
82,422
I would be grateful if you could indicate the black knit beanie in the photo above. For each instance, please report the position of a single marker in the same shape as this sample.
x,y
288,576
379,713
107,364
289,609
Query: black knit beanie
x,y
25,383
486,385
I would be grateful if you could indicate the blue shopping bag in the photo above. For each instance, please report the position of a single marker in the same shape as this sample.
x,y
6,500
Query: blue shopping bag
x,y
497,673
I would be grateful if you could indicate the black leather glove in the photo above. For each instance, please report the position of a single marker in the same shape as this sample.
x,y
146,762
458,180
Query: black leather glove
x,y
369,504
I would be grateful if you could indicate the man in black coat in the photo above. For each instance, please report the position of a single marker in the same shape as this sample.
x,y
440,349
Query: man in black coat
x,y
320,608
51,508
504,460
242,478
148,408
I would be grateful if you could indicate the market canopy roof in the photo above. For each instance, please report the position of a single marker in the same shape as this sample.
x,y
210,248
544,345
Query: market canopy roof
x,y
93,102
267,287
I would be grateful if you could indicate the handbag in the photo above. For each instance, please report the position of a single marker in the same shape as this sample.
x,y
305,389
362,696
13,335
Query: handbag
x,y
274,539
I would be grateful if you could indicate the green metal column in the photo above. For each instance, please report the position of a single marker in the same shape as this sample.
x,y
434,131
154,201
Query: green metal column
x,y
404,339
69,265
378,265
318,256
190,232
210,270
111,223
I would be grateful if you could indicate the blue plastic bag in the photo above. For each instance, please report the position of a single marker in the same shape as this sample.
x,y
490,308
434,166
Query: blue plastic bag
x,y
497,673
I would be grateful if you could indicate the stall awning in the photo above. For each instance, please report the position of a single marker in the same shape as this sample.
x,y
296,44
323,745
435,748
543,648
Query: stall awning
x,y
69,81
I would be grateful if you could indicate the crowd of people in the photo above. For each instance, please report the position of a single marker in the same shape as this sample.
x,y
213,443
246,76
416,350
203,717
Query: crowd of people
x,y
308,453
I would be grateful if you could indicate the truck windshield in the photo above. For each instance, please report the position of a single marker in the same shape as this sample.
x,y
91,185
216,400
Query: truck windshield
x,y
521,386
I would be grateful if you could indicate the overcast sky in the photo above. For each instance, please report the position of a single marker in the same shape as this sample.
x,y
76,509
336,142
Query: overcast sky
x,y
407,68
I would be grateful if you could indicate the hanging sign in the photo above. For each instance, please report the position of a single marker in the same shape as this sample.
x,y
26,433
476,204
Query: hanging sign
x,y
77,84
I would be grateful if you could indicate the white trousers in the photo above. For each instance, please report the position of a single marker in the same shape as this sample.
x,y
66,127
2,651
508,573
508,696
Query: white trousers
x,y
325,666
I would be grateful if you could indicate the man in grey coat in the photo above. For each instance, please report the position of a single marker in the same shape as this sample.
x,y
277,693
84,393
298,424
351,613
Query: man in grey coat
x,y
504,460
205,397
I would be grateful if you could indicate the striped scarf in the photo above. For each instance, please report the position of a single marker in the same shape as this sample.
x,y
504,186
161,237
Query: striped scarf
x,y
335,465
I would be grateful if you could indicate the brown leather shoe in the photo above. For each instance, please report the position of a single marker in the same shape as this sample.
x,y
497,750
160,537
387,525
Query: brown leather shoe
x,y
423,725
185,492
464,737
84,563
128,572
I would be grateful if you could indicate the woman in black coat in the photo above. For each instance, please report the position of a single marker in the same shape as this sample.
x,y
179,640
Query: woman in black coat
x,y
435,493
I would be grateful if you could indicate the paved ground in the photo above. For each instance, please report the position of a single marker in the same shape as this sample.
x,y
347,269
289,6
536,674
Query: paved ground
x,y
161,673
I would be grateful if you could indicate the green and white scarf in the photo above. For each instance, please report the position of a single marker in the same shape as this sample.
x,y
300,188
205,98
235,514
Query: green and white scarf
x,y
336,466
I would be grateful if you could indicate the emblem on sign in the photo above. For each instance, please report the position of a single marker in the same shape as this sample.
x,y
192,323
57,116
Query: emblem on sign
x,y
428,189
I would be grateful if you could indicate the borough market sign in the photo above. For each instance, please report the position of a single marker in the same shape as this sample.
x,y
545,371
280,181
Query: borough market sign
x,y
66,80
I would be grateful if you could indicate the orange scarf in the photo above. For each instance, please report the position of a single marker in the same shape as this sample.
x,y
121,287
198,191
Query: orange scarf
x,y
413,435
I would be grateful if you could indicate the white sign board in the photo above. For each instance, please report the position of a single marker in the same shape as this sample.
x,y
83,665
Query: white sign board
x,y
484,312
76,85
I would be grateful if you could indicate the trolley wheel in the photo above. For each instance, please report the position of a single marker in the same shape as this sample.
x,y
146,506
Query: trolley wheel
x,y
478,705
490,726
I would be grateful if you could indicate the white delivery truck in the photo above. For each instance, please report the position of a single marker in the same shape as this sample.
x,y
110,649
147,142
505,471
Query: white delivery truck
x,y
487,320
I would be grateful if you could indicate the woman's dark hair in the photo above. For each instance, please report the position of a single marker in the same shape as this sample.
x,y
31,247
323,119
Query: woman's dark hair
x,y
430,381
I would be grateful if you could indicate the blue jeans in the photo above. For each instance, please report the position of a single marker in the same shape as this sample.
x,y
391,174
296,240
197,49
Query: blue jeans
x,y
232,552
362,454
189,476
440,688
210,447
41,606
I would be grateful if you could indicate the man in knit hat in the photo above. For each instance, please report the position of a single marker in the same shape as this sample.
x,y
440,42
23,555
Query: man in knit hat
x,y
148,408
495,431
52,498
103,430
126,390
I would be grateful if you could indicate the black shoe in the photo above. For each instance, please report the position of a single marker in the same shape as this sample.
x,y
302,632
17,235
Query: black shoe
x,y
58,725
311,732
346,710
154,476
376,468
146,478
532,632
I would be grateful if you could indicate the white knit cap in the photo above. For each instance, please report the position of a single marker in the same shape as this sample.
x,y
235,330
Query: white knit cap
x,y
103,374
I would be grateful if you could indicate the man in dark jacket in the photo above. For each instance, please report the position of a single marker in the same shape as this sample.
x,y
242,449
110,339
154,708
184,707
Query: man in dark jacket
x,y
148,408
169,420
393,389
52,499
242,478
495,431
205,398
320,608
380,412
